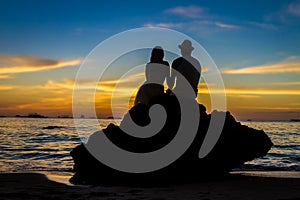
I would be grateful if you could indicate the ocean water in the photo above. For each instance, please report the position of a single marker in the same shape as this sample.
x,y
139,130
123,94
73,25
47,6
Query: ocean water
x,y
285,154
28,144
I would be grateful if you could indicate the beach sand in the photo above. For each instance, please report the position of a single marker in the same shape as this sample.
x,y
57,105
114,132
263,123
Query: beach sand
x,y
38,186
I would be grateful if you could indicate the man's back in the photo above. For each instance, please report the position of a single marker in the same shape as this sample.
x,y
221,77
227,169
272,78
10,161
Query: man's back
x,y
190,69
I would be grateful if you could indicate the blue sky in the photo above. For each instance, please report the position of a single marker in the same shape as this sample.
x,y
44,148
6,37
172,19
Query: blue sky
x,y
237,35
266,30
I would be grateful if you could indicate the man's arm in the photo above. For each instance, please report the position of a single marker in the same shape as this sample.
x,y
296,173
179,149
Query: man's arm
x,y
147,72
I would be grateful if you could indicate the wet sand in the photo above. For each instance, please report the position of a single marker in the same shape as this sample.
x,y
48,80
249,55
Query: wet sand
x,y
38,186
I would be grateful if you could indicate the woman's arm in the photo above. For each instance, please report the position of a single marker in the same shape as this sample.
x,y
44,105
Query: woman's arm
x,y
147,72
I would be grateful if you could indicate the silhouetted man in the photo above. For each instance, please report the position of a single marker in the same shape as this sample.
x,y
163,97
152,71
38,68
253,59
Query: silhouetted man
x,y
188,66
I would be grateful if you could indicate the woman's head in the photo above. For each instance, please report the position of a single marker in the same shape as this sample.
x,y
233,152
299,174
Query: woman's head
x,y
157,54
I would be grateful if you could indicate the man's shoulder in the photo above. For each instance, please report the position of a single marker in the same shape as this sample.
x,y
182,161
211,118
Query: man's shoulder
x,y
177,61
195,61
180,59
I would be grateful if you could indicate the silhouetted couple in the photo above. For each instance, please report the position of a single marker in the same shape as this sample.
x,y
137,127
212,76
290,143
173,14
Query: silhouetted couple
x,y
158,70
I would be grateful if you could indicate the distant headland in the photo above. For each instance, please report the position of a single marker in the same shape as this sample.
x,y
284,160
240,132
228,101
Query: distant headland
x,y
37,115
32,115
294,120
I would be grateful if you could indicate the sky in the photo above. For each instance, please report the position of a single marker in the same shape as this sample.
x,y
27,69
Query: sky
x,y
255,45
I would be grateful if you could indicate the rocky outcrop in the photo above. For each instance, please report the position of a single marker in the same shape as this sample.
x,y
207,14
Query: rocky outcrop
x,y
236,145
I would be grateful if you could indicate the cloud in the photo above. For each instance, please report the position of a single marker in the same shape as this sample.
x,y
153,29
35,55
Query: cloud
x,y
47,104
273,108
6,87
251,91
262,91
266,26
288,66
53,85
286,83
205,27
121,87
226,26
186,11
164,25
197,20
294,8
13,64
247,96
286,14
4,76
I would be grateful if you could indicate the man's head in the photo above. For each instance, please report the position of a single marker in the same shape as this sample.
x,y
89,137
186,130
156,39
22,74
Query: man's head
x,y
186,48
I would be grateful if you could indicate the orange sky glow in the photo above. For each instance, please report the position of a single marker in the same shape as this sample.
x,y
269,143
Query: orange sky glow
x,y
54,98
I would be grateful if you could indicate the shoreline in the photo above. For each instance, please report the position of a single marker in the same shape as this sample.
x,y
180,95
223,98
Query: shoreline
x,y
63,177
269,174
40,186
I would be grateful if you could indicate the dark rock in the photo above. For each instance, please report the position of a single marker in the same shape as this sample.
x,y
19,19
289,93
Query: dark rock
x,y
53,127
236,145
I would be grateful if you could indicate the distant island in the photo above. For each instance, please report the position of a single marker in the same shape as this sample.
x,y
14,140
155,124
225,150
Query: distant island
x,y
33,115
294,120
111,117
37,115
64,117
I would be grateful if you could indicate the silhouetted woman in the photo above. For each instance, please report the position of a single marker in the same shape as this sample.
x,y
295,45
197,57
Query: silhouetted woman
x,y
157,70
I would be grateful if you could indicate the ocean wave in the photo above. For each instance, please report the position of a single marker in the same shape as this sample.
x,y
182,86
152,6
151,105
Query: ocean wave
x,y
41,144
250,167
287,146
